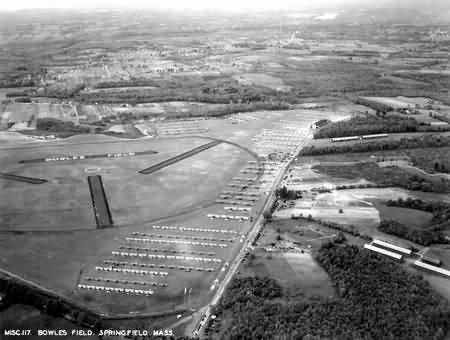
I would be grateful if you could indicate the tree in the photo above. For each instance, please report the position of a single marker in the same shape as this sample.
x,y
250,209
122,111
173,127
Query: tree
x,y
267,215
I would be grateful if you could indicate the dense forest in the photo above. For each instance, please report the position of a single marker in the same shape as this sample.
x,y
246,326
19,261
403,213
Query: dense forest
x,y
376,299
425,141
367,125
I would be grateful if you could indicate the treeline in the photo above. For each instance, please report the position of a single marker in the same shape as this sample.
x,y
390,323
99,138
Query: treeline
x,y
367,125
18,293
387,177
193,89
437,80
434,160
376,299
442,118
16,94
286,194
59,126
130,116
426,236
61,92
344,228
175,95
424,141
440,210
126,83
17,83
377,106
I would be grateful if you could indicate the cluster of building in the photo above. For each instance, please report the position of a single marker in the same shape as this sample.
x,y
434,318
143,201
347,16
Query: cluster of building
x,y
244,186
63,158
284,139
241,118
160,265
193,243
166,257
118,269
116,290
204,238
399,253
130,271
239,201
187,127
191,229
244,209
139,283
228,217
170,251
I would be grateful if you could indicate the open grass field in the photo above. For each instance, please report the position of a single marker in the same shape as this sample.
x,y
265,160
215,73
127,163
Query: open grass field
x,y
284,252
297,273
410,217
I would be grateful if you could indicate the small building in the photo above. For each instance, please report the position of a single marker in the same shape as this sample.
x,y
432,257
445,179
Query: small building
x,y
431,260
345,139
375,136
320,123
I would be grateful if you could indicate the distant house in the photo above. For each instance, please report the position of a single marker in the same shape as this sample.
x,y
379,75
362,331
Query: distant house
x,y
320,123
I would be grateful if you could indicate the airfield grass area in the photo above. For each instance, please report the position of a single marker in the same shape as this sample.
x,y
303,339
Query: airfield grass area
x,y
64,203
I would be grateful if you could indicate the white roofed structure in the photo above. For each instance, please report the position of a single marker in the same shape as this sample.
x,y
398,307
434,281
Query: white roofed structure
x,y
435,269
392,247
384,252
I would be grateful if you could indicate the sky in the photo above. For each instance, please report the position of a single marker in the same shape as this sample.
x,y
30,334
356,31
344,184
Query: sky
x,y
165,4
226,5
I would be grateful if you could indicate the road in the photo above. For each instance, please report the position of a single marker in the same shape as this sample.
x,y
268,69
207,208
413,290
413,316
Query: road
x,y
203,315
